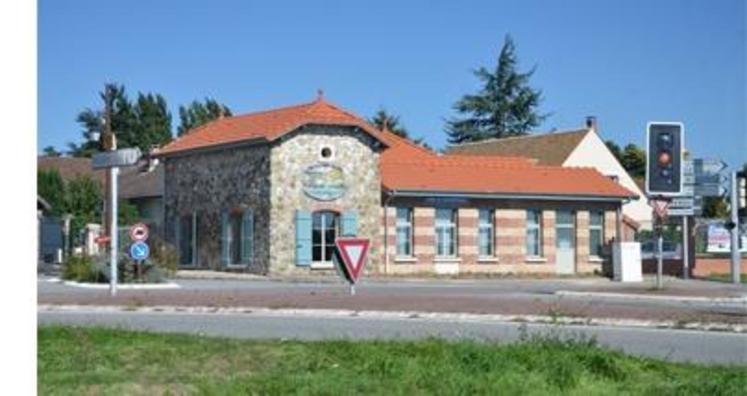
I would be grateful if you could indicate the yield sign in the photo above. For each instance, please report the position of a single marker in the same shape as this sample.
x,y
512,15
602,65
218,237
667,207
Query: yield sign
x,y
353,254
660,207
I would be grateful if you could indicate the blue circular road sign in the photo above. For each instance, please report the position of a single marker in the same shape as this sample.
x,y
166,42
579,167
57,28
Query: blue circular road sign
x,y
139,251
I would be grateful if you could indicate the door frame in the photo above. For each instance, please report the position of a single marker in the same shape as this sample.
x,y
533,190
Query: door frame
x,y
574,249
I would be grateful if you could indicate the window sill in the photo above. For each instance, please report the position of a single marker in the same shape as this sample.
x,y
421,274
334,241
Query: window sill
x,y
596,259
237,265
405,259
322,266
535,260
487,260
447,260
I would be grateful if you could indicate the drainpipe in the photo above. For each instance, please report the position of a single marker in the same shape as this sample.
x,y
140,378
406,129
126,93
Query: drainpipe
x,y
389,198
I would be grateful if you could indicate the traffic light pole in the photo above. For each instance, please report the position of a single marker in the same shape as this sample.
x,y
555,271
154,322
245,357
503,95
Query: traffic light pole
x,y
660,256
735,270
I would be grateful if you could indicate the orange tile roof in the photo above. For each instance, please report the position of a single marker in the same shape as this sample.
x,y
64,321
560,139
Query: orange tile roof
x,y
265,125
407,166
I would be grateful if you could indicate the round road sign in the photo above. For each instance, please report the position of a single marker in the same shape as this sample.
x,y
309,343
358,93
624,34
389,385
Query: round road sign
x,y
139,232
139,251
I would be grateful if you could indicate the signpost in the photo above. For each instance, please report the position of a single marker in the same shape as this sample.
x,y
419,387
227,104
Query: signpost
x,y
352,252
660,206
116,158
139,250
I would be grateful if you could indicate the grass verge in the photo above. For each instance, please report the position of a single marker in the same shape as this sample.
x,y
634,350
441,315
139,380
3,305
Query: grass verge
x,y
102,361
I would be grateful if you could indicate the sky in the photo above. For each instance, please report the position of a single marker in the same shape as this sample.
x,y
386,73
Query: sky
x,y
625,62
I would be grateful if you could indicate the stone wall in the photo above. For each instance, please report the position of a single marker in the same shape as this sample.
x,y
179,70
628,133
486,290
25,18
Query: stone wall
x,y
212,182
353,151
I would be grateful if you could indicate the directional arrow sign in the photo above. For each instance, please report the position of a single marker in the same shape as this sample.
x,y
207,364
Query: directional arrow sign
x,y
710,178
708,165
687,202
710,190
110,159
353,253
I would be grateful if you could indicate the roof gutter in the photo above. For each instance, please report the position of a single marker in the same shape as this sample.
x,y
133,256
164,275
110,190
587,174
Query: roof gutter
x,y
534,197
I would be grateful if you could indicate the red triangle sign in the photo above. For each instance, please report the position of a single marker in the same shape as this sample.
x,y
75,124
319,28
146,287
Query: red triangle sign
x,y
353,253
660,207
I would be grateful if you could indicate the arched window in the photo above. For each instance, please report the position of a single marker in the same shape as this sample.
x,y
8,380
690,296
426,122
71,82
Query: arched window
x,y
325,227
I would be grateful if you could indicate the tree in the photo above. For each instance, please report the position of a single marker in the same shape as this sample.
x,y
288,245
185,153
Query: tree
x,y
383,119
123,122
505,106
50,151
615,149
51,187
634,161
84,202
152,121
715,208
197,113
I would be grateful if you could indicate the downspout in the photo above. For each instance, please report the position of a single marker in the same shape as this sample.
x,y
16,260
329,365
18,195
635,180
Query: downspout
x,y
389,198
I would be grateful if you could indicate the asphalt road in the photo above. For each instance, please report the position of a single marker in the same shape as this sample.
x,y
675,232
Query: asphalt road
x,y
673,345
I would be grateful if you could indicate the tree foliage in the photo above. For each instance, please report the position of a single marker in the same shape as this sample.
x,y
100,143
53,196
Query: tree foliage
x,y
50,151
51,187
153,121
383,119
198,113
505,106
632,158
84,201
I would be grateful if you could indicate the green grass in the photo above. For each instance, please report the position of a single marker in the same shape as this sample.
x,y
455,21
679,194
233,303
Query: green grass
x,y
726,278
100,361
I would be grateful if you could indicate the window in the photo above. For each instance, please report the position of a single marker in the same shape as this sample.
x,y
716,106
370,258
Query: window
x,y
446,232
186,239
596,233
404,231
238,237
326,153
534,233
324,228
485,232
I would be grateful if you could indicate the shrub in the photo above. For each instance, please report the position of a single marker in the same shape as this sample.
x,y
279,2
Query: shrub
x,y
163,255
81,268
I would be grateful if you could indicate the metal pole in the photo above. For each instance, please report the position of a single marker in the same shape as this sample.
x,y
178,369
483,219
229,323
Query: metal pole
x,y
660,260
352,289
114,233
685,248
735,270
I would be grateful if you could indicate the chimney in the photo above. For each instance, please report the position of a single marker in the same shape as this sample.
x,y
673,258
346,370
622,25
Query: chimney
x,y
591,123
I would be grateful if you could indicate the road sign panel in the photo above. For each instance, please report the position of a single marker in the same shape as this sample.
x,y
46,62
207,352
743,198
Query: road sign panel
x,y
710,190
710,178
685,212
139,251
110,159
708,165
682,202
139,232
353,253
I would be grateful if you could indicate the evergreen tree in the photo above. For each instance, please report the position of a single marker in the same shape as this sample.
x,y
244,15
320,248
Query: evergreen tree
x,y
634,161
123,122
84,201
393,124
197,113
153,121
615,149
505,106
50,151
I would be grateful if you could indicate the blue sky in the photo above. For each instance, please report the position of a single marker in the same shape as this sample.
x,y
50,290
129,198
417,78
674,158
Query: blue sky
x,y
626,62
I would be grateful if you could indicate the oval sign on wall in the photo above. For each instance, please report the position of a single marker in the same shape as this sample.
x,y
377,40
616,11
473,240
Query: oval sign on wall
x,y
324,182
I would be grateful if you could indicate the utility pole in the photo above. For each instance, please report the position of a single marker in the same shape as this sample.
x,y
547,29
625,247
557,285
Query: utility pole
x,y
734,225
110,219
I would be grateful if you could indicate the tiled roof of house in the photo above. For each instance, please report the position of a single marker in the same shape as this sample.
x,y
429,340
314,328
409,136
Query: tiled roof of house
x,y
547,149
140,181
265,126
406,166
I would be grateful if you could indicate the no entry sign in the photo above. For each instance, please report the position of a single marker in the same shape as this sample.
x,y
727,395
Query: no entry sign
x,y
352,252
139,232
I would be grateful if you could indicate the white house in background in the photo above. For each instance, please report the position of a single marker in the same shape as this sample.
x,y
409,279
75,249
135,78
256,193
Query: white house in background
x,y
577,148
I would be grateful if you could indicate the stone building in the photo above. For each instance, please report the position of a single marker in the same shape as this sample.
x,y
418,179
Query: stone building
x,y
269,192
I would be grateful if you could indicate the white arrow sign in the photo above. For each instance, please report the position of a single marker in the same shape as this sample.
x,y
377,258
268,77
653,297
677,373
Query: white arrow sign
x,y
708,165
109,159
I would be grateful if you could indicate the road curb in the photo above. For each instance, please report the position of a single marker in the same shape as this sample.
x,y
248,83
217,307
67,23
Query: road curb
x,y
645,297
399,315
120,286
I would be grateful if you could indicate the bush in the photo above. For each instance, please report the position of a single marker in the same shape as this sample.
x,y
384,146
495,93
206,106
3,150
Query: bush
x,y
163,255
81,268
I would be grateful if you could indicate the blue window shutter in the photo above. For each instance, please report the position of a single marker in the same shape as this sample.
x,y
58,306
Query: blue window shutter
x,y
247,236
225,237
349,223
303,238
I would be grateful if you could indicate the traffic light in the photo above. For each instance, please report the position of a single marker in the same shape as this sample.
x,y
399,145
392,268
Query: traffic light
x,y
664,143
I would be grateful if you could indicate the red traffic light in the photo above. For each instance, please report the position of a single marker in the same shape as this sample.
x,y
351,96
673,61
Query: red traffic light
x,y
664,158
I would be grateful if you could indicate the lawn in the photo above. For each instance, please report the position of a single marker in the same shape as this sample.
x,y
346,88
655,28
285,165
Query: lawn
x,y
726,278
100,361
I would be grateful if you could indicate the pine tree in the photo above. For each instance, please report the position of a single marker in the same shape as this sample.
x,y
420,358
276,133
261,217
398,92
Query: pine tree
x,y
153,121
50,151
392,123
123,121
197,113
505,106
